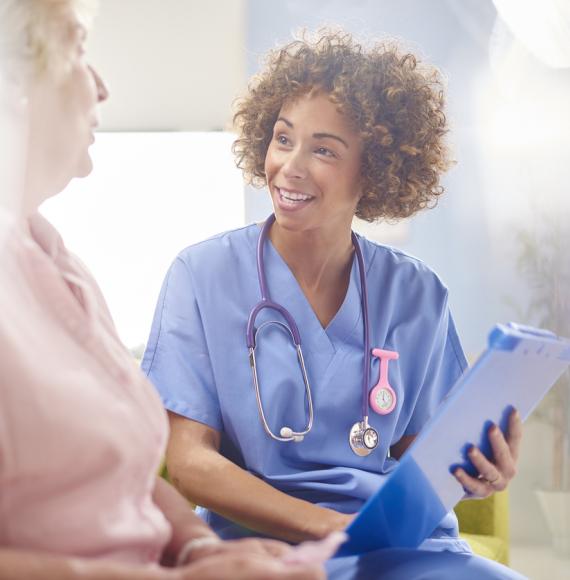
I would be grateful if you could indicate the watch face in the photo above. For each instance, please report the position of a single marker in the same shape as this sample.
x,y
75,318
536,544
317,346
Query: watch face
x,y
384,399
370,438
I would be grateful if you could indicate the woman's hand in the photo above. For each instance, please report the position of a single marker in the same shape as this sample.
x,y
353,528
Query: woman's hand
x,y
236,565
494,475
257,546
254,558
338,522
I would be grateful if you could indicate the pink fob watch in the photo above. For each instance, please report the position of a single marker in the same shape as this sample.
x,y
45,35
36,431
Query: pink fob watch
x,y
382,396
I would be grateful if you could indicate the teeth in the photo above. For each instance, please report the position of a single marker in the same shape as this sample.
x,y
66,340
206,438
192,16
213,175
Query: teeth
x,y
294,196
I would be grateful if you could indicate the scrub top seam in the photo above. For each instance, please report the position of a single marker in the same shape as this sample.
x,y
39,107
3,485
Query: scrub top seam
x,y
452,338
213,238
208,350
162,306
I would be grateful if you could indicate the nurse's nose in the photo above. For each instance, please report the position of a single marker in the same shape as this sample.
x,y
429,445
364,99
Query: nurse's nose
x,y
295,166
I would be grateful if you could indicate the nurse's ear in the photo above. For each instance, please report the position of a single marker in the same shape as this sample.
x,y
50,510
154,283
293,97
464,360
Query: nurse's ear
x,y
359,195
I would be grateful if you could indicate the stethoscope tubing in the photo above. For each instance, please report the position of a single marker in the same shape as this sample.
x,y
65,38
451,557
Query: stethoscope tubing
x,y
253,365
267,303
364,290
265,300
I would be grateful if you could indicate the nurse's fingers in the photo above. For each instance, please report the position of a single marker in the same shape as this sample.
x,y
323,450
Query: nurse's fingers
x,y
316,552
254,546
240,566
490,472
502,457
514,435
505,451
271,547
476,487
258,546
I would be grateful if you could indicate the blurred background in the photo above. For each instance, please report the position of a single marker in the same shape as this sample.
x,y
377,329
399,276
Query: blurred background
x,y
164,176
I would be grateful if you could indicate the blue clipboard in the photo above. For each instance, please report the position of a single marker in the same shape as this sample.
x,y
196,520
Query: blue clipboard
x,y
518,368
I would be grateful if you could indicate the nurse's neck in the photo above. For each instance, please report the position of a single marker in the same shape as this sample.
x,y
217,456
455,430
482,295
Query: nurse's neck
x,y
320,259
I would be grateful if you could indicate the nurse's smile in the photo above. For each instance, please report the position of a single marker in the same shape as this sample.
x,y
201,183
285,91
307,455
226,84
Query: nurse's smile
x,y
292,200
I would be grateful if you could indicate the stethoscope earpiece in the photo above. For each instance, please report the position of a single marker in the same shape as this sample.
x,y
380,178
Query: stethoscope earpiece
x,y
288,433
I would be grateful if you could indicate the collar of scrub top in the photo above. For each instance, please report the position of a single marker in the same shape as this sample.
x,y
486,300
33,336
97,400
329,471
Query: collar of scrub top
x,y
286,433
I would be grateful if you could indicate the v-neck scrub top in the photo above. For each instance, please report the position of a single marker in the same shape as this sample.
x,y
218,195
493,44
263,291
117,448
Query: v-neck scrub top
x,y
198,359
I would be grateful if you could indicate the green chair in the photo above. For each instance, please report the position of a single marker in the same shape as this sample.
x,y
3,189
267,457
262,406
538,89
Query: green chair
x,y
485,525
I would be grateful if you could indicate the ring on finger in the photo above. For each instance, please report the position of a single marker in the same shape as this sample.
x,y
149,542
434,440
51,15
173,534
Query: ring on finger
x,y
491,482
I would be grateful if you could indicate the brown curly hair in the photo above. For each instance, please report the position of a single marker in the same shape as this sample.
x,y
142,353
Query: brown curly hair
x,y
394,102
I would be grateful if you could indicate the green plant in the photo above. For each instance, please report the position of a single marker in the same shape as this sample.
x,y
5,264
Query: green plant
x,y
544,263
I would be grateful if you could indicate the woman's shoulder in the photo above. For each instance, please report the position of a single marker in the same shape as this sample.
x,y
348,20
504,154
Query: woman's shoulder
x,y
220,249
399,267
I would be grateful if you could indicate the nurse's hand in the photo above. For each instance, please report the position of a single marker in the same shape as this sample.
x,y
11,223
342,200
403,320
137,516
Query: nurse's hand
x,y
257,546
336,522
494,475
246,566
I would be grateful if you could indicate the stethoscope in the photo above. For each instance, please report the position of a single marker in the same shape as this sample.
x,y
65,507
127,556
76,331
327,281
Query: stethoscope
x,y
363,438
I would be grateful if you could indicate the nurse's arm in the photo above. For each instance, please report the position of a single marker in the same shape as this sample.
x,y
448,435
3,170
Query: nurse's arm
x,y
204,476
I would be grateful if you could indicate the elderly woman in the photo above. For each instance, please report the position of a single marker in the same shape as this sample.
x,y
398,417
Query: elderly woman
x,y
82,432
333,130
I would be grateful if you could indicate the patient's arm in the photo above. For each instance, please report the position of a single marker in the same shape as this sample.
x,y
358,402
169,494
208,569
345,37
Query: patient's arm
x,y
186,525
16,564
29,565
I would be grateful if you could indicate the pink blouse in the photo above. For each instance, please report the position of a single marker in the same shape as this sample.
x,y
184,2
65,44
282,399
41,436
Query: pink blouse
x,y
81,430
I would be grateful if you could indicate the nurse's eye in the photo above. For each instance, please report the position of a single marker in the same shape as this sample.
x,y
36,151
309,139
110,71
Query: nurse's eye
x,y
324,151
80,39
282,139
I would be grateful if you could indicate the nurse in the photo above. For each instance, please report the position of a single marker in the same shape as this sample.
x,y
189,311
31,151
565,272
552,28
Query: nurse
x,y
333,130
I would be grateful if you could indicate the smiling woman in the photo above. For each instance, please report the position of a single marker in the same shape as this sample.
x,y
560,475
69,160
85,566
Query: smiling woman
x,y
391,100
263,395
315,145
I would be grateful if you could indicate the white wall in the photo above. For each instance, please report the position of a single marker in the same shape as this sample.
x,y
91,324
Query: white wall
x,y
171,65
149,196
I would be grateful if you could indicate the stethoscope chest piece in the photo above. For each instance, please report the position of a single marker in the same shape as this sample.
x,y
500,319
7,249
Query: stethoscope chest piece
x,y
362,438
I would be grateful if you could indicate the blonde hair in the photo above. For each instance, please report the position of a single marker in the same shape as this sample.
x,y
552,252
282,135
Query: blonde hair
x,y
33,34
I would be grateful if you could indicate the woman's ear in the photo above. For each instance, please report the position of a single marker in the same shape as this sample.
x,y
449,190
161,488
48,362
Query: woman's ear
x,y
359,191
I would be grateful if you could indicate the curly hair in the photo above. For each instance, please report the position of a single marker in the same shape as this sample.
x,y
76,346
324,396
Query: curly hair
x,y
394,102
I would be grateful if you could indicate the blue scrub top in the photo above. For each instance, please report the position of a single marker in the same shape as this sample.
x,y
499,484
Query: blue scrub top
x,y
197,357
